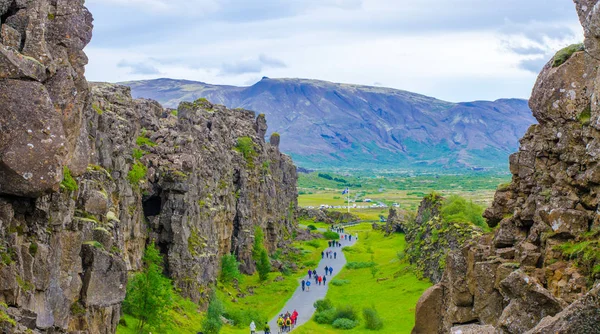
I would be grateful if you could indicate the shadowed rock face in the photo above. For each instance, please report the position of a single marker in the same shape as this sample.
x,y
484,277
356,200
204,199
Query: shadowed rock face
x,y
43,93
141,173
523,278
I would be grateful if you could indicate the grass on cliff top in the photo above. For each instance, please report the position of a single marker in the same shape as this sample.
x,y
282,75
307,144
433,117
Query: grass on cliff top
x,y
563,55
394,298
270,296
457,209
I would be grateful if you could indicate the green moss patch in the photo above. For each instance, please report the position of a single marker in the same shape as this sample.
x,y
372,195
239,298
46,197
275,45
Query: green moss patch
x,y
563,55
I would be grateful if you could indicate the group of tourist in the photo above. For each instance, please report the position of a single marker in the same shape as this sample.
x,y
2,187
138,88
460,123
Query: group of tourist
x,y
320,280
287,321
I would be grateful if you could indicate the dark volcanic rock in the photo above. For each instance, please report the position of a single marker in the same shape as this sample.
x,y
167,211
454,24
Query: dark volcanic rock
x,y
535,274
198,182
43,92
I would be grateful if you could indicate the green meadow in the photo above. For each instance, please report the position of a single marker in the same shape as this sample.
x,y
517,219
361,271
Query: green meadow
x,y
393,291
317,189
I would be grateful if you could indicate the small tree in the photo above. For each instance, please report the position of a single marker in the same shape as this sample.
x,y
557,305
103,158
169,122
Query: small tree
x,y
149,294
212,323
260,255
230,269
258,243
263,265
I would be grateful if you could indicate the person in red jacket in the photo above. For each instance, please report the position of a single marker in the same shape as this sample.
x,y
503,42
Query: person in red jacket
x,y
294,318
320,280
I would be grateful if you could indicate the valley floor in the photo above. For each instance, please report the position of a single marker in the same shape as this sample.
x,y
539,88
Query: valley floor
x,y
394,291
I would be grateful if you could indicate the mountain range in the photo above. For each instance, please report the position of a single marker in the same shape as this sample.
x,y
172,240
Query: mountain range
x,y
333,125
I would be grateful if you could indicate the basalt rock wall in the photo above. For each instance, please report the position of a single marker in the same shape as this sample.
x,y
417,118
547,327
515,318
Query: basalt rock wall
x,y
89,177
538,272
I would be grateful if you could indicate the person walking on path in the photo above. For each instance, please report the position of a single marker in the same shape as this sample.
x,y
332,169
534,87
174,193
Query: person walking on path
x,y
330,271
320,280
334,255
324,280
326,269
350,237
309,274
267,328
280,323
322,255
329,243
288,324
303,284
252,328
316,279
314,272
356,236
307,286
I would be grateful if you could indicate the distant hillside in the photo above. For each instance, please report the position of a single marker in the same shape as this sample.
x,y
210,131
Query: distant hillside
x,y
324,124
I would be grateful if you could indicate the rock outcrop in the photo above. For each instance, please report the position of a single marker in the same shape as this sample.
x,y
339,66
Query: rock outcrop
x,y
327,216
536,273
44,93
89,176
429,237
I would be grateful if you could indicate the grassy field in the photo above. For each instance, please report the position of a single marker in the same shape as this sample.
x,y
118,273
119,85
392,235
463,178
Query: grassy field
x,y
407,191
394,298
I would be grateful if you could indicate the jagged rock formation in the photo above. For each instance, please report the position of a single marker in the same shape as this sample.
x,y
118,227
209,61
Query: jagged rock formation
x,y
197,180
429,237
536,273
44,92
326,216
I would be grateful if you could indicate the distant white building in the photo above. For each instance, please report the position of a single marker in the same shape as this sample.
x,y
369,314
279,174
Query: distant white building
x,y
368,200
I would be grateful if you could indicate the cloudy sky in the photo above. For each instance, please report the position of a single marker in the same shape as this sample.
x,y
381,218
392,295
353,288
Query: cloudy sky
x,y
457,50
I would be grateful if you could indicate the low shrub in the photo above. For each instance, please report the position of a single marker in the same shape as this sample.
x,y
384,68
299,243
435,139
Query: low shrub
x,y
323,305
325,317
339,282
313,243
311,264
372,319
312,227
343,323
360,265
346,312
353,249
331,235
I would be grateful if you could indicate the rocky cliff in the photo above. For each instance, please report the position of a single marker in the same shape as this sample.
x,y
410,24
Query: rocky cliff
x,y
538,272
89,176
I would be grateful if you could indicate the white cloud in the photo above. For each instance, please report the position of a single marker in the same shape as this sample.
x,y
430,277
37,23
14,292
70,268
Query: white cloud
x,y
460,50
